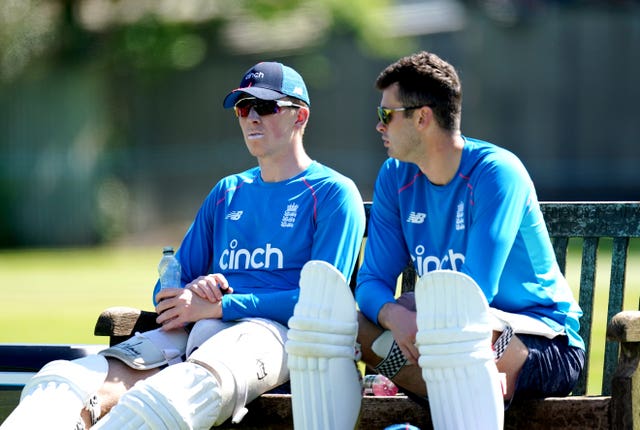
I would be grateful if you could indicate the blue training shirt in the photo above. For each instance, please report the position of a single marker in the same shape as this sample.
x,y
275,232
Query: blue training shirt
x,y
259,235
486,222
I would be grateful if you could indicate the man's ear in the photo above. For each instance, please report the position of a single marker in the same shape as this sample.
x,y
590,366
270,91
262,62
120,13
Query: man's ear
x,y
424,116
303,116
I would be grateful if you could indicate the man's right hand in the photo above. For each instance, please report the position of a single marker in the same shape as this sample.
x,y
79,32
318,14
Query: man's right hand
x,y
402,323
179,306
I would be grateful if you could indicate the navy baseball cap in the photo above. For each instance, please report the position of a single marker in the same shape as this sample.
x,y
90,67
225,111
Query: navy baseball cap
x,y
269,81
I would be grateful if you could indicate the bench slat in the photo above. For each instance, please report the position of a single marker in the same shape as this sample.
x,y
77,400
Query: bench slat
x,y
619,253
560,246
585,299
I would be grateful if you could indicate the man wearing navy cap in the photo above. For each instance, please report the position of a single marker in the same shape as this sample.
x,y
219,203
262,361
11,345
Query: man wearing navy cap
x,y
222,338
269,81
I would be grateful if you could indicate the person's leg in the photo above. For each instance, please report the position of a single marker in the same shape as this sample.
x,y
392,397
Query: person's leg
x,y
204,330
219,378
82,390
511,362
54,397
249,359
119,380
552,368
180,396
407,376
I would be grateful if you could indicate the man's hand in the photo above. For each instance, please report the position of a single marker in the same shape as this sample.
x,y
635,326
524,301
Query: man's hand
x,y
178,307
402,323
211,287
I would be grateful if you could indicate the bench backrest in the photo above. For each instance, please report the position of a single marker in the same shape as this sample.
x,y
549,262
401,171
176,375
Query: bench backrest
x,y
590,221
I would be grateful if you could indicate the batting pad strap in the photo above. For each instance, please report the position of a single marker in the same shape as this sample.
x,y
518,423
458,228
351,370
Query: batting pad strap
x,y
502,342
92,405
323,326
454,360
234,390
455,347
393,359
318,350
392,363
318,337
248,359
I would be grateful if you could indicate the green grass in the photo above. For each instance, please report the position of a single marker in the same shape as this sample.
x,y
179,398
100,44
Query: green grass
x,y
54,296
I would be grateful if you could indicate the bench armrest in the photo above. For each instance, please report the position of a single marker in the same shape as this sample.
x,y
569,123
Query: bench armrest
x,y
624,327
120,323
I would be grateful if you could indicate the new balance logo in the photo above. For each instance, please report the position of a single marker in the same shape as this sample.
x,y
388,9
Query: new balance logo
x,y
416,217
234,215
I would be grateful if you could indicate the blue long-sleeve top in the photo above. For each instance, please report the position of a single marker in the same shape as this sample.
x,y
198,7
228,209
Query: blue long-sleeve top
x,y
259,235
486,222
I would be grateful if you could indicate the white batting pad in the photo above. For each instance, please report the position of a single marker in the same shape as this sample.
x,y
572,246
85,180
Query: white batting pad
x,y
54,397
454,340
185,396
248,358
204,330
325,384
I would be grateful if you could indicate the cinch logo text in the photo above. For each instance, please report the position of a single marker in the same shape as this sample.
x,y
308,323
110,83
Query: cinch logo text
x,y
256,76
427,263
235,258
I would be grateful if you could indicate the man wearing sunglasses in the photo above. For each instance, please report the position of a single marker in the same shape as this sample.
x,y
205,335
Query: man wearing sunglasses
x,y
223,335
466,214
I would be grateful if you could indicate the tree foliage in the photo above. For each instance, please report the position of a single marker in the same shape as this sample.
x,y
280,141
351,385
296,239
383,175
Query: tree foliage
x,y
156,36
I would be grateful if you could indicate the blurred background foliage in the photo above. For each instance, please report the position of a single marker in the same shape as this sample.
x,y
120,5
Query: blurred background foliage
x,y
151,37
111,125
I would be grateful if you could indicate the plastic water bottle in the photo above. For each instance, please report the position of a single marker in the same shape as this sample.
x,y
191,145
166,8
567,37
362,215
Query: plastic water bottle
x,y
169,269
378,385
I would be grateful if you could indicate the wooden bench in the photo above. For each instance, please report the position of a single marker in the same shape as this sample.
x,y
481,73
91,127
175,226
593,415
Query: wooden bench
x,y
617,406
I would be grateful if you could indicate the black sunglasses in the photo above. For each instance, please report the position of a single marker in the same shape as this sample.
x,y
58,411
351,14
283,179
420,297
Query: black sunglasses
x,y
262,107
385,113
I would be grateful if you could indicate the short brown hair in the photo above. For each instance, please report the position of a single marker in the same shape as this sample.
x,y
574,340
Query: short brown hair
x,y
424,79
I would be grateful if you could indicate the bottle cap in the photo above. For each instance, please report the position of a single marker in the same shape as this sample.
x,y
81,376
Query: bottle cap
x,y
405,426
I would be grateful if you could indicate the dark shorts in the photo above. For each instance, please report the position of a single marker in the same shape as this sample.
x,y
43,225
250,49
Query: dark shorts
x,y
551,370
